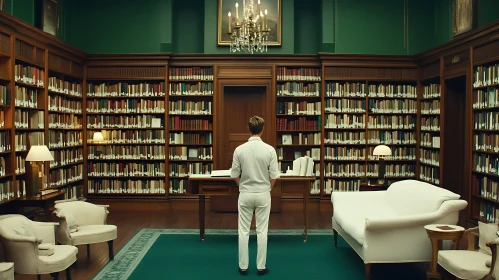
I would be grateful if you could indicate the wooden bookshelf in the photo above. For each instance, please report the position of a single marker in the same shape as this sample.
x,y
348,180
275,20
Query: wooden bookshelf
x,y
190,125
430,157
345,135
366,107
65,124
30,106
485,143
127,104
298,119
8,190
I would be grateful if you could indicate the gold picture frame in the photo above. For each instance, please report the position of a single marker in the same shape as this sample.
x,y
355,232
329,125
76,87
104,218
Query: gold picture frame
x,y
463,16
2,5
274,19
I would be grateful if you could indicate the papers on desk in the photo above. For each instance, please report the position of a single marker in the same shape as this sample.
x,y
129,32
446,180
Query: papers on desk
x,y
220,173
302,166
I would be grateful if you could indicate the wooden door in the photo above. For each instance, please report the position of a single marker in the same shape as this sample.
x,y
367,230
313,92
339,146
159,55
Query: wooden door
x,y
240,103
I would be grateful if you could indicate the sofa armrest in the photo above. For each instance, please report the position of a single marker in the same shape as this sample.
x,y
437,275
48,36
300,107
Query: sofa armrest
x,y
380,223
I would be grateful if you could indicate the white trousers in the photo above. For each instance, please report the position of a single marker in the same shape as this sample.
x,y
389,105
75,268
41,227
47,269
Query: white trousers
x,y
247,204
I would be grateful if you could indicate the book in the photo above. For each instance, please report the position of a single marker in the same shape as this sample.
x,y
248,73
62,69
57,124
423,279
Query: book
x,y
220,173
445,227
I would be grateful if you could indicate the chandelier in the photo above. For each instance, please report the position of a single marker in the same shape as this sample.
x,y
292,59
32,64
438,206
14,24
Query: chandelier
x,y
251,34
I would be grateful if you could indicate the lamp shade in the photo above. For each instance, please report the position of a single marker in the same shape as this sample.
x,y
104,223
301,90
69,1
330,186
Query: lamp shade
x,y
98,137
39,153
382,150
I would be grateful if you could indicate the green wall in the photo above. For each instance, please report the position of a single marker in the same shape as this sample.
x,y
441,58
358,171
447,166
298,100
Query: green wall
x,y
488,11
118,26
308,26
22,9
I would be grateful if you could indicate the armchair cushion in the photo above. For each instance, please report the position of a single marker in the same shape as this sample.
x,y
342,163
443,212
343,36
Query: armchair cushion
x,y
487,234
464,264
6,271
64,256
94,234
45,249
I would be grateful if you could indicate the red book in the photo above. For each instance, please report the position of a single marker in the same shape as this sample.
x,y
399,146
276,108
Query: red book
x,y
445,227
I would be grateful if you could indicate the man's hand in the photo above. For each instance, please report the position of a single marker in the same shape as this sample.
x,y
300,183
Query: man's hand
x,y
237,179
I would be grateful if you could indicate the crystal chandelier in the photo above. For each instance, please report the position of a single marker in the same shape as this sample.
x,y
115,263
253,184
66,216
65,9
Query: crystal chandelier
x,y
251,34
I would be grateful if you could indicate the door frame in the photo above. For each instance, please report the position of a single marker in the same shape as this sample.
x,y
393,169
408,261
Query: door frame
x,y
269,116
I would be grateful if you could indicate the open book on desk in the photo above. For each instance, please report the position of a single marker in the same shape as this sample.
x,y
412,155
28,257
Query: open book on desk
x,y
220,173
302,166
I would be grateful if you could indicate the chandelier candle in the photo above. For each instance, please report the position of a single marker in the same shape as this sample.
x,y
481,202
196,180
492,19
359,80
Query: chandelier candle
x,y
251,34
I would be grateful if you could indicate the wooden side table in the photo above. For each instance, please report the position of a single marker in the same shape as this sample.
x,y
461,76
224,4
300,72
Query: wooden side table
x,y
437,233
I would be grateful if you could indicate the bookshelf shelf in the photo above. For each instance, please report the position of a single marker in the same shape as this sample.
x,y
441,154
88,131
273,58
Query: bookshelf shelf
x,y
485,151
298,118
190,125
130,114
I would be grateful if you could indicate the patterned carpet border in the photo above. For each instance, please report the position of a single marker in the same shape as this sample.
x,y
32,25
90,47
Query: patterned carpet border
x,y
129,257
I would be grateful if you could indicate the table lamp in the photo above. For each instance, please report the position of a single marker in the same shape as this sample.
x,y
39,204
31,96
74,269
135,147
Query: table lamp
x,y
37,155
98,138
382,151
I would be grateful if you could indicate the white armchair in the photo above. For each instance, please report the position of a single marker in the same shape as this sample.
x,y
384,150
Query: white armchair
x,y
84,223
388,226
31,247
6,271
477,262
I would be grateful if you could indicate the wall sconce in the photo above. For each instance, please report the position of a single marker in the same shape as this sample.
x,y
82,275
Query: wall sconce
x,y
382,151
37,155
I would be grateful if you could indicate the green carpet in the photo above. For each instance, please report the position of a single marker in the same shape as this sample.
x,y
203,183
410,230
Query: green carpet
x,y
178,254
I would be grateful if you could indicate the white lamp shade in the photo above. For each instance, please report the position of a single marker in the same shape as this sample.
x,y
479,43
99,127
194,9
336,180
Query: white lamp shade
x,y
39,153
98,137
382,150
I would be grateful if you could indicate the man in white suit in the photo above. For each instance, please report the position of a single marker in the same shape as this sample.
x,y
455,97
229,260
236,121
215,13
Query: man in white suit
x,y
254,167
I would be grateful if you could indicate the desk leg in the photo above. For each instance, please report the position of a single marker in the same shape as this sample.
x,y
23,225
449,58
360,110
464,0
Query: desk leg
x,y
202,206
305,209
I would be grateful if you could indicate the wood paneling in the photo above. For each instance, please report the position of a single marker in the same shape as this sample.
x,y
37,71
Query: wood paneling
x,y
430,71
4,44
59,63
238,72
485,53
25,51
365,73
456,64
129,73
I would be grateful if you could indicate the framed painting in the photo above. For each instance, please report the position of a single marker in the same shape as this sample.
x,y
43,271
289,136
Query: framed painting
x,y
463,19
273,20
2,5
50,17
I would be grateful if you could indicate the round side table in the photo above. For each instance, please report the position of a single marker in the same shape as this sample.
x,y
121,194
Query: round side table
x,y
437,233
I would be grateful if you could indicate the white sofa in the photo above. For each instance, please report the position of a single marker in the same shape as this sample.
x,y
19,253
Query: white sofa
x,y
388,226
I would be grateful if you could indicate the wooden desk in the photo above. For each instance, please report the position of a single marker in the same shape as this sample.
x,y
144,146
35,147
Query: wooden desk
x,y
225,186
45,201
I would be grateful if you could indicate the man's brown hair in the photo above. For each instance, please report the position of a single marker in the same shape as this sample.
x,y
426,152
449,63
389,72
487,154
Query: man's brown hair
x,y
256,124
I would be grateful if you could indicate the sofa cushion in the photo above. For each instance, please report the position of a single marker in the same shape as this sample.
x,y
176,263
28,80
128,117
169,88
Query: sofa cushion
x,y
94,234
409,197
352,218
